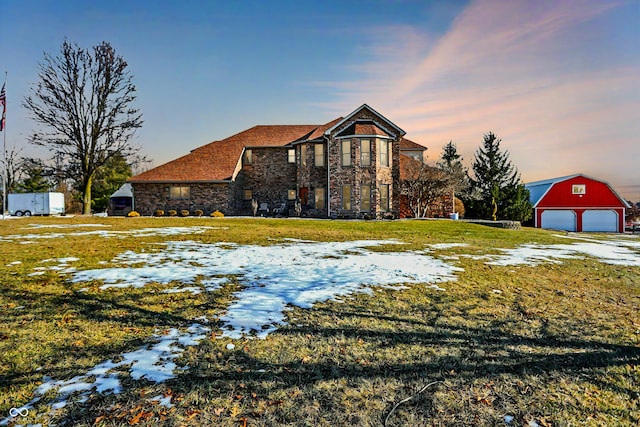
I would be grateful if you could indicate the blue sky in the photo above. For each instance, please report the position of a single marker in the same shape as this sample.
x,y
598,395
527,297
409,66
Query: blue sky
x,y
557,81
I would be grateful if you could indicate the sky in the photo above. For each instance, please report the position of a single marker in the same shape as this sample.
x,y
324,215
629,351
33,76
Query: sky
x,y
558,81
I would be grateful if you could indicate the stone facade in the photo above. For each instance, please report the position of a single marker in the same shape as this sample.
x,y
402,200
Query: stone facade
x,y
208,197
285,172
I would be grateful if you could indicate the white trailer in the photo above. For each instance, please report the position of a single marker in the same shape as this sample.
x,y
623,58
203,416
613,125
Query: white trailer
x,y
27,204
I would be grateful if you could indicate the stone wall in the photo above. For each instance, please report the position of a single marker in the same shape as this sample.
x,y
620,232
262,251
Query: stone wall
x,y
269,176
205,196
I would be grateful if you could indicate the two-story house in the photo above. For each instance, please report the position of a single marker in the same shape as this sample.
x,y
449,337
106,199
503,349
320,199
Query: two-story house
x,y
349,167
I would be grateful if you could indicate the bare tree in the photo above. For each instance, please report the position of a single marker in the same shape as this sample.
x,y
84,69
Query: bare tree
x,y
423,185
12,164
83,102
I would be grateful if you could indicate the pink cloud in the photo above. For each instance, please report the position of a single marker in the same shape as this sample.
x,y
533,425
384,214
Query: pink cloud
x,y
523,70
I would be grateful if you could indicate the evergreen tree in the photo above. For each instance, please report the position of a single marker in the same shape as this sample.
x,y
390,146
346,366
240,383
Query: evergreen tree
x,y
35,180
497,184
451,163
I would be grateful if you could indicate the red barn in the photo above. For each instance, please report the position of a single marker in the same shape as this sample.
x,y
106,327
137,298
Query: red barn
x,y
577,203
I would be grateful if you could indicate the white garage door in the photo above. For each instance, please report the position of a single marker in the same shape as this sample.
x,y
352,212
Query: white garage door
x,y
603,220
559,220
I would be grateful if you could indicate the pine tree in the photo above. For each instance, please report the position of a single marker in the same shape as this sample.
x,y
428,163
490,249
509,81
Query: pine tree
x,y
497,179
451,163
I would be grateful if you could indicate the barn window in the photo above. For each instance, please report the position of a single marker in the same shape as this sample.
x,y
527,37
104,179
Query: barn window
x,y
578,189
291,155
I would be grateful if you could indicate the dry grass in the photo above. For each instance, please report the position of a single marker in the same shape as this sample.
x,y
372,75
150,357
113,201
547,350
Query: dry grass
x,y
558,345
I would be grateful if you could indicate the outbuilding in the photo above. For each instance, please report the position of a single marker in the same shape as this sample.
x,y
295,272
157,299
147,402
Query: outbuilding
x,y
577,203
121,202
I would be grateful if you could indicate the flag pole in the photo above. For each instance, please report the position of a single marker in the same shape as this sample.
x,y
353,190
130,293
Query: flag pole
x,y
4,150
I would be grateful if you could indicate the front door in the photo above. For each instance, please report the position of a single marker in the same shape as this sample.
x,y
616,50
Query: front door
x,y
304,196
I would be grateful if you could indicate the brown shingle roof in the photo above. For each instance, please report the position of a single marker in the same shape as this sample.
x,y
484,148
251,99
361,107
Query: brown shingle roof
x,y
407,144
217,160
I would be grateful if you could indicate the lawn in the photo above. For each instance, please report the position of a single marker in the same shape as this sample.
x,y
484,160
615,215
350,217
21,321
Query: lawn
x,y
285,322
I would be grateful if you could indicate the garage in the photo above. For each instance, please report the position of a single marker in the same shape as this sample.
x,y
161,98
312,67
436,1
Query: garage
x,y
559,220
600,220
577,203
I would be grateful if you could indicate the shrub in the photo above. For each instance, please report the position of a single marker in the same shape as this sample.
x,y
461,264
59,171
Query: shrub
x,y
173,212
158,212
198,212
133,214
184,212
217,214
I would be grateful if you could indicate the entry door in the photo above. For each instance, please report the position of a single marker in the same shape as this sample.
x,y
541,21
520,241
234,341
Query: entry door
x,y
559,220
304,196
38,204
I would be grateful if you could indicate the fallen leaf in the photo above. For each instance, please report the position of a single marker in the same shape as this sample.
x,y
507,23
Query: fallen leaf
x,y
218,411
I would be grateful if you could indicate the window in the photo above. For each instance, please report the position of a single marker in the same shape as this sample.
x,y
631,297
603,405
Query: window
x,y
291,155
319,202
179,192
346,152
248,157
303,155
248,194
319,154
383,149
365,152
365,196
384,197
291,194
578,189
346,197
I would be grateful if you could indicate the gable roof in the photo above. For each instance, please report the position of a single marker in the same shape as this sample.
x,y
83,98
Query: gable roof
x,y
217,160
349,117
538,189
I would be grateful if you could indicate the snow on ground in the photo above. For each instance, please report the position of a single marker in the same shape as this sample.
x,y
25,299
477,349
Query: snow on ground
x,y
141,232
65,225
615,252
274,277
153,362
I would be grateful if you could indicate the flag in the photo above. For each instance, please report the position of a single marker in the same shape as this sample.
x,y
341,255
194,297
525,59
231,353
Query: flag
x,y
3,101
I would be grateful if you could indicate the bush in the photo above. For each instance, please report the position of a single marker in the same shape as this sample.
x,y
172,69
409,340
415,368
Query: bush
x,y
217,214
184,212
133,214
173,212
198,212
158,212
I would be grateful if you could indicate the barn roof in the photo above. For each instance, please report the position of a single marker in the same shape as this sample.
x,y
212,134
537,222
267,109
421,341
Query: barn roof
x,y
538,189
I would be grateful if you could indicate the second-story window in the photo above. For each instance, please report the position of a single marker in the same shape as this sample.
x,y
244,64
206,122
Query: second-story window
x,y
291,155
303,155
346,152
383,152
319,154
365,152
248,157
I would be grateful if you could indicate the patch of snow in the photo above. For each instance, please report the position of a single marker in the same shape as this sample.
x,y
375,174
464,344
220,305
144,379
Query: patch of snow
x,y
162,400
274,277
152,362
12,263
36,226
607,251
194,290
447,245
142,232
